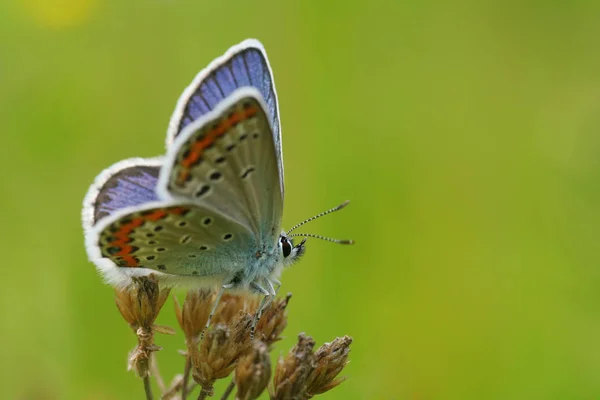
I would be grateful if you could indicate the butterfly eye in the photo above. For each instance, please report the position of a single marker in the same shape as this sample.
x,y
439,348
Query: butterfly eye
x,y
286,247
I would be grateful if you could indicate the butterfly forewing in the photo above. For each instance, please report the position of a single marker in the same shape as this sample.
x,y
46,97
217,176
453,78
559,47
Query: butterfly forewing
x,y
243,65
228,163
129,187
184,240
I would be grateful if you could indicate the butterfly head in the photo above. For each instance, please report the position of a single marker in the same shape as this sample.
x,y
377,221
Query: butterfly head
x,y
290,252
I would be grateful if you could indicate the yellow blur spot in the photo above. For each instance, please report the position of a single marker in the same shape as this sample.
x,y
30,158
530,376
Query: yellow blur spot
x,y
59,14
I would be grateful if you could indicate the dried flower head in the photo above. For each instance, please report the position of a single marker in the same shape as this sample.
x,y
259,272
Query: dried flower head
x,y
253,372
303,374
273,321
292,372
227,346
233,303
141,302
139,305
331,358
223,343
196,309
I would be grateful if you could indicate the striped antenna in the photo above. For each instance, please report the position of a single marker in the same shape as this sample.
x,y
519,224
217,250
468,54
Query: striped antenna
x,y
339,241
344,204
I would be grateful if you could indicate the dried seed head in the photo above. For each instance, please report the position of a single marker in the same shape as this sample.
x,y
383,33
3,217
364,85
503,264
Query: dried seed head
x,y
220,349
273,321
196,309
331,358
302,374
253,372
233,303
292,372
139,305
141,302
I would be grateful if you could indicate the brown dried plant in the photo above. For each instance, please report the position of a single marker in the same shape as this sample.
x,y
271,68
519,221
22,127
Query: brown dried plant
x,y
225,348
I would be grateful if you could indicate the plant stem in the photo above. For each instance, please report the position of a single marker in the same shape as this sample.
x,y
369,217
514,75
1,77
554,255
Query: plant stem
x,y
148,387
228,390
203,394
186,377
156,373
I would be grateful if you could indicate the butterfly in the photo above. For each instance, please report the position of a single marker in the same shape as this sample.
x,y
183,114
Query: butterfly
x,y
209,212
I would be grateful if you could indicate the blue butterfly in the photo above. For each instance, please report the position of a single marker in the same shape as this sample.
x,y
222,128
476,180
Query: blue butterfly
x,y
209,212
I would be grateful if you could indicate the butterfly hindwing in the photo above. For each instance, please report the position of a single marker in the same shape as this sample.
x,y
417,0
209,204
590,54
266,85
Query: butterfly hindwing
x,y
180,240
227,161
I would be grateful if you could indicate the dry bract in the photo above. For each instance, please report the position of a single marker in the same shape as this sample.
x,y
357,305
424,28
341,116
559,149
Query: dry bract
x,y
273,321
196,308
219,350
292,372
303,374
331,358
253,372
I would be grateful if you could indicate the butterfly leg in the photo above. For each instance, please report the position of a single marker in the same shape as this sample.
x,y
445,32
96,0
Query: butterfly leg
x,y
266,294
273,287
269,295
214,307
277,283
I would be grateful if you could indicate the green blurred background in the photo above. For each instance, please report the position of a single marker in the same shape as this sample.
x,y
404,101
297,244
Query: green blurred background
x,y
466,134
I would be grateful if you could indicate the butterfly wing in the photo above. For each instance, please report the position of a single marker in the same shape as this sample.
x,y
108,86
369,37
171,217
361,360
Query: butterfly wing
x,y
245,64
223,166
174,241
226,161
127,183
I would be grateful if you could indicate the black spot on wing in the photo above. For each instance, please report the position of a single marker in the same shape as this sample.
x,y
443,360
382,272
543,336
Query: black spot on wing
x,y
247,172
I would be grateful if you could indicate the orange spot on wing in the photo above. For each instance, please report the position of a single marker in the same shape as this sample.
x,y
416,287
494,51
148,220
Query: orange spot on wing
x,y
156,215
198,147
122,236
183,175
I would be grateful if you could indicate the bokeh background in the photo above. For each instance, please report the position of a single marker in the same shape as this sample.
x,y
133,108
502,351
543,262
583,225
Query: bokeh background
x,y
466,134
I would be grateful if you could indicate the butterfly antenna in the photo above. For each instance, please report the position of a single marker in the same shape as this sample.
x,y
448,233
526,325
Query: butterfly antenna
x,y
339,241
344,204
